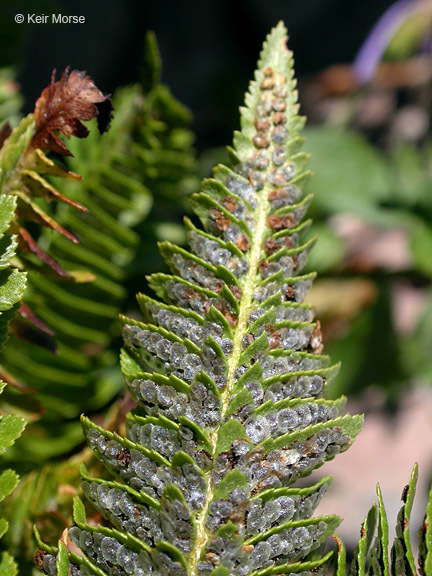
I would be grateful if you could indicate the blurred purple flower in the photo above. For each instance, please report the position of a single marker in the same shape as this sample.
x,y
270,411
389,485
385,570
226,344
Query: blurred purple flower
x,y
371,52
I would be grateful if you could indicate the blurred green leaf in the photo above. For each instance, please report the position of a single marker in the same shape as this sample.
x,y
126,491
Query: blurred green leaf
x,y
11,427
328,251
10,98
370,352
417,349
350,175
8,481
412,184
421,247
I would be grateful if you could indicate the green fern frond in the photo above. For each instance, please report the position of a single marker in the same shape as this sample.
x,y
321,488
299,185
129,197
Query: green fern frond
x,y
144,164
228,375
84,313
371,556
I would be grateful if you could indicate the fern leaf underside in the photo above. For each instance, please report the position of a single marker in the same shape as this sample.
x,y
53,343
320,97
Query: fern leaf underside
x,y
228,374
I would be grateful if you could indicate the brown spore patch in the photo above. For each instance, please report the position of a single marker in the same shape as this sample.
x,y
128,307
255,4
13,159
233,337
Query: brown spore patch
x,y
276,222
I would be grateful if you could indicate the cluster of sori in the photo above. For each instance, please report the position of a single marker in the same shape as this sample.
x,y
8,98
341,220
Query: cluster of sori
x,y
147,471
215,252
291,312
153,432
227,374
192,328
117,559
268,467
263,512
272,365
163,352
279,420
126,505
166,397
111,558
290,544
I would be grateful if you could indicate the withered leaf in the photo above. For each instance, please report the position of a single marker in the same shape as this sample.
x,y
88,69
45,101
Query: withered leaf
x,y
63,106
41,187
26,242
11,381
30,211
26,312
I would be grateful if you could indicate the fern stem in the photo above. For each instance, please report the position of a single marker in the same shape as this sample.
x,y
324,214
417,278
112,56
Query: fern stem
x,y
250,283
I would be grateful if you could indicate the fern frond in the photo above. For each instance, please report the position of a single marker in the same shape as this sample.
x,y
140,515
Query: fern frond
x,y
25,172
228,374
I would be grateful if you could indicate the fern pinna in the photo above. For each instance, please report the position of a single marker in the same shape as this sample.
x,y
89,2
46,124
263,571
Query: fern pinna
x,y
228,375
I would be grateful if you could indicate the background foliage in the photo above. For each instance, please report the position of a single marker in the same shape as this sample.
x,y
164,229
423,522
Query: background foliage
x,y
142,168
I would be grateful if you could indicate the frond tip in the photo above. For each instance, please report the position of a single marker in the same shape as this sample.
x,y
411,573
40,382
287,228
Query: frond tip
x,y
228,373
